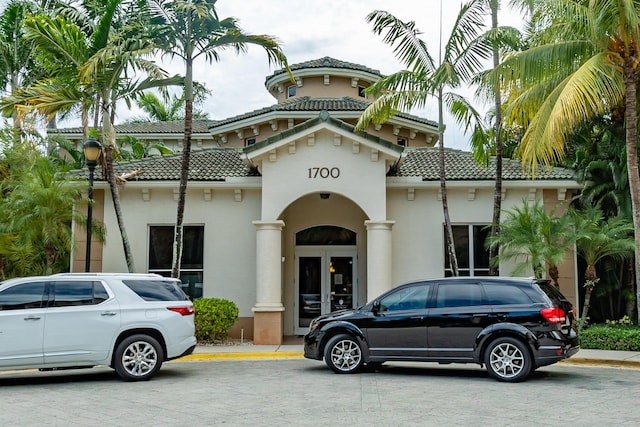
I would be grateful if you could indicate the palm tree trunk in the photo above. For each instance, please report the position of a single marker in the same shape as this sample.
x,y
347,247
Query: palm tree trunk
x,y
630,306
182,194
450,243
115,197
184,171
590,278
497,193
108,138
631,79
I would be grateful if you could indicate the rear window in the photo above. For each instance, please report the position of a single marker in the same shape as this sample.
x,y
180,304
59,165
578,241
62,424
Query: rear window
x,y
552,292
505,294
157,290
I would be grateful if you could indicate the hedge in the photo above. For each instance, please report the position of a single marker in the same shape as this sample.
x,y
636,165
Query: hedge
x,y
606,337
214,317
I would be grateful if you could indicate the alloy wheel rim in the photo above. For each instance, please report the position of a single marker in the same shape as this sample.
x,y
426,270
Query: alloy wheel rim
x,y
507,360
346,355
139,358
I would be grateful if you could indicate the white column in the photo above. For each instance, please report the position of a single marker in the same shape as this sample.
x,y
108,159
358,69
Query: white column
x,y
269,266
378,257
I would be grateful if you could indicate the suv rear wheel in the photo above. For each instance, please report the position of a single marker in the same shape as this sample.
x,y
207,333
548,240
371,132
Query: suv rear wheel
x,y
343,354
138,358
508,359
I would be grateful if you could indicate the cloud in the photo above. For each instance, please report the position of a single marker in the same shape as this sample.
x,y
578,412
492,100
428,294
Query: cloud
x,y
310,30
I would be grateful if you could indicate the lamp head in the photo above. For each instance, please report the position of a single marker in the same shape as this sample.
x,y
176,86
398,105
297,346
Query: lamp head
x,y
92,151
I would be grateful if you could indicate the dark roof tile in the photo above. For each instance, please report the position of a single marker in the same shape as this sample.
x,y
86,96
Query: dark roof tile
x,y
461,166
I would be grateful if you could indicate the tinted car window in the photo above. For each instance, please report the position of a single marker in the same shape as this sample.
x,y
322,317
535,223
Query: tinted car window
x,y
410,298
78,293
156,290
458,295
502,295
25,295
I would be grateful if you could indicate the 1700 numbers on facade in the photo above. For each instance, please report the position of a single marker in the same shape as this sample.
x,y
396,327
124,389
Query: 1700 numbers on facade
x,y
324,172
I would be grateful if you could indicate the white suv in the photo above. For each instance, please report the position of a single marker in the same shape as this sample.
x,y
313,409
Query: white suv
x,y
130,322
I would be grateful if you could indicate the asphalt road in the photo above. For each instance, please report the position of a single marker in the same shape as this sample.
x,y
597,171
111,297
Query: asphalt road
x,y
306,393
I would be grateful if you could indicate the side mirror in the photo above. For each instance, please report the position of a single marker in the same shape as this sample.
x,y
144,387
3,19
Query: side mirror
x,y
375,309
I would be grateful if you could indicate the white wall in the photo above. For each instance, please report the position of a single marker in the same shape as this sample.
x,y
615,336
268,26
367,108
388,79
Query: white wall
x,y
229,247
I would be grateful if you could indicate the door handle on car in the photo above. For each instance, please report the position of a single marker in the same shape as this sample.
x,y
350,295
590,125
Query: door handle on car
x,y
32,318
481,315
108,313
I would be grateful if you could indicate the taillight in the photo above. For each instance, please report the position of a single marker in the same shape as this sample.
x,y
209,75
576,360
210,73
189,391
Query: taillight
x,y
184,310
554,315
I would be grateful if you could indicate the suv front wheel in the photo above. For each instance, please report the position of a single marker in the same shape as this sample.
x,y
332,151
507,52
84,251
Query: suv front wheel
x,y
343,354
508,359
138,358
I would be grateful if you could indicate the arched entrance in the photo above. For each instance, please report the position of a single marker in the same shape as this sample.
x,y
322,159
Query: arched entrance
x,y
326,273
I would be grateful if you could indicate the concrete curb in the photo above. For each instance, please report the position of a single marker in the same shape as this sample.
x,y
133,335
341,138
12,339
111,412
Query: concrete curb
x,y
243,355
282,355
611,363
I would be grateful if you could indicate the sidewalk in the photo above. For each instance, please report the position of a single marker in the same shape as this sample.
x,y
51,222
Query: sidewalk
x,y
247,350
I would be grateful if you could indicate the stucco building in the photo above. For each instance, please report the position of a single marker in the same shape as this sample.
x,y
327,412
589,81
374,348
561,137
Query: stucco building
x,y
290,213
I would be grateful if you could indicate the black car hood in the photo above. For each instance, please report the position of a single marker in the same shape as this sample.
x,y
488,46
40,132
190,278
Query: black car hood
x,y
337,315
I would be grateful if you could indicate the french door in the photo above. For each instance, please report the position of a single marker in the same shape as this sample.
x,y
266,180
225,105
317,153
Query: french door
x,y
325,282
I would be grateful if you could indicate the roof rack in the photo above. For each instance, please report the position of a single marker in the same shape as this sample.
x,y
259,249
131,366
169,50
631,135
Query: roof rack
x,y
109,274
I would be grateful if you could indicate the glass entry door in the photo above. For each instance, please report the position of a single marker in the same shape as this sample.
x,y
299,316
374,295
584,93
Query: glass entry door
x,y
325,283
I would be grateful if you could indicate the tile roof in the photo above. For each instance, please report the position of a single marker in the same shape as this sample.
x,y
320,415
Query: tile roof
x,y
214,164
218,164
326,62
307,103
323,116
461,166
199,126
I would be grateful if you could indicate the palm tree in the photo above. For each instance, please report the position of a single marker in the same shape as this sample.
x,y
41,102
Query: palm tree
x,y
166,110
17,65
533,239
38,209
424,78
91,52
582,64
597,239
191,29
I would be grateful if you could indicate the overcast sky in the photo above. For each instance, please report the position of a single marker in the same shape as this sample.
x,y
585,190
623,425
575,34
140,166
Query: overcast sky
x,y
312,29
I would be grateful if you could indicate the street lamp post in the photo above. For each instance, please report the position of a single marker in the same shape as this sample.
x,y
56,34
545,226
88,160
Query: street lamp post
x,y
92,151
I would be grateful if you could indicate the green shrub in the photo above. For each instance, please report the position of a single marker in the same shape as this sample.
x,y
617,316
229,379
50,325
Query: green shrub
x,y
214,318
611,337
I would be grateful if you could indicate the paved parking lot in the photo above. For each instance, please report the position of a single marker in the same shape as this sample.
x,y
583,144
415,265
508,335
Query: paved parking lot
x,y
306,393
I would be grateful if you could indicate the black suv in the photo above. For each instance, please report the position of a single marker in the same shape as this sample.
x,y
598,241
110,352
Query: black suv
x,y
511,325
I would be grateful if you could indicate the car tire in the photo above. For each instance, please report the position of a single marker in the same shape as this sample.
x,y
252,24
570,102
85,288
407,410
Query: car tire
x,y
138,358
343,354
508,359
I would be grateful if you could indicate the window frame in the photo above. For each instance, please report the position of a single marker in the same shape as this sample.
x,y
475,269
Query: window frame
x,y
192,277
473,270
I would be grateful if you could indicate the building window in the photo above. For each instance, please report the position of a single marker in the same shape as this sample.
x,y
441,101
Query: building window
x,y
161,255
361,92
402,142
291,91
249,141
473,257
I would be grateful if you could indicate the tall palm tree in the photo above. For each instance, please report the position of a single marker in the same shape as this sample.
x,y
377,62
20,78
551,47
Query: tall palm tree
x,y
598,238
191,29
17,65
582,64
424,78
94,54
